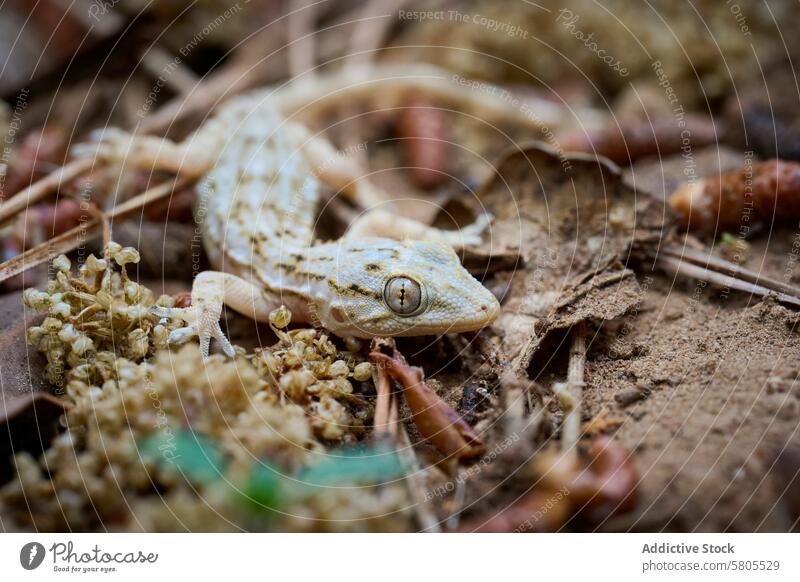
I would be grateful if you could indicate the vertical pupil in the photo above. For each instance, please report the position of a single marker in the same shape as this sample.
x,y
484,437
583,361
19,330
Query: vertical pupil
x,y
402,295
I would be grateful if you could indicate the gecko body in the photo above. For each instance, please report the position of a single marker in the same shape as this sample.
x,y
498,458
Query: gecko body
x,y
257,204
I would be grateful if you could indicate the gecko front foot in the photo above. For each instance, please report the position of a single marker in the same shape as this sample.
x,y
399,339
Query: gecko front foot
x,y
472,235
202,317
203,322
212,289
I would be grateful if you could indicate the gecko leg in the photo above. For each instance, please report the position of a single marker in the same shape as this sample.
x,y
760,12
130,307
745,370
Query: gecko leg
x,y
190,158
380,223
335,169
212,289
342,173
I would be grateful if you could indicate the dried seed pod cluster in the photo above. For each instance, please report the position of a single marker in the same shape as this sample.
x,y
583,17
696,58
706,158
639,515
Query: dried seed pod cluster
x,y
139,408
308,368
99,462
92,318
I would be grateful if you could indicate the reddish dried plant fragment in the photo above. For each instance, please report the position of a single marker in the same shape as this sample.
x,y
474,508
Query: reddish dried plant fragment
x,y
183,299
539,511
761,192
422,132
39,152
604,482
436,421
597,485
630,141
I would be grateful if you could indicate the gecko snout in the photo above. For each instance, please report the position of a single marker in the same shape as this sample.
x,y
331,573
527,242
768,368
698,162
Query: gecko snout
x,y
480,309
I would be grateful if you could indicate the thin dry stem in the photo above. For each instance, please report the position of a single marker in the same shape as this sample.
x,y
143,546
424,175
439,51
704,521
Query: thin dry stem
x,y
709,261
571,426
514,403
181,78
679,267
250,66
301,41
383,403
74,237
41,188
417,484
374,21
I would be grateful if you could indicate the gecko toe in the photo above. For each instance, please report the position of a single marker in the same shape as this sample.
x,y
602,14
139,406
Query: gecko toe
x,y
227,346
159,311
182,335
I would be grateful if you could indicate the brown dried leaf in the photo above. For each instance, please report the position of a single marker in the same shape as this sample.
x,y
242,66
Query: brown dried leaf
x,y
28,414
577,225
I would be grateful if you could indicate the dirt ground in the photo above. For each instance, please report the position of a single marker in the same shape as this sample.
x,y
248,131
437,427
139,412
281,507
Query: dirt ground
x,y
701,380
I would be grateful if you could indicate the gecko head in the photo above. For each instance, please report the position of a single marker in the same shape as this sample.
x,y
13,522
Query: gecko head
x,y
391,288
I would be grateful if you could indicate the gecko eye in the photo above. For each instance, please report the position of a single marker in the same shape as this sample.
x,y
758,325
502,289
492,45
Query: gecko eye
x,y
403,295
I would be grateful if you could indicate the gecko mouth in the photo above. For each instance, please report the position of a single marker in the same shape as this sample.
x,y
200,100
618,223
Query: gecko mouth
x,y
489,311
484,314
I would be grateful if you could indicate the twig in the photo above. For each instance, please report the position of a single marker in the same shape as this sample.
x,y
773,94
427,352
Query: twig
x,y
513,401
180,79
73,238
383,402
598,283
105,224
43,187
301,41
436,421
679,267
250,66
84,11
458,500
374,21
707,260
49,249
393,83
417,484
148,197
571,426
394,417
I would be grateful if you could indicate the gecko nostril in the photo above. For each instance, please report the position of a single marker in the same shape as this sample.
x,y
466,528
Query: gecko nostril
x,y
337,314
484,308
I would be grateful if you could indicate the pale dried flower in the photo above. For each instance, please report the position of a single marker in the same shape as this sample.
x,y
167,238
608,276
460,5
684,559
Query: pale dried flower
x,y
126,256
62,263
362,372
280,317
338,369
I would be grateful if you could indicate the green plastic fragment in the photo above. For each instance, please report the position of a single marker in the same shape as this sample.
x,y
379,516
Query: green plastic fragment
x,y
262,490
354,466
193,454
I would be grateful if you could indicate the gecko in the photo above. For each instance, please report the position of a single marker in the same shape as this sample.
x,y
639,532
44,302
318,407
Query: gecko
x,y
260,175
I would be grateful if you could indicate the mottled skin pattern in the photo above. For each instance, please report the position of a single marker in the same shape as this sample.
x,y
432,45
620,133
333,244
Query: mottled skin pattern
x,y
257,204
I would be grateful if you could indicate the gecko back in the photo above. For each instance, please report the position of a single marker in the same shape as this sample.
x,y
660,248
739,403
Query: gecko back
x,y
259,200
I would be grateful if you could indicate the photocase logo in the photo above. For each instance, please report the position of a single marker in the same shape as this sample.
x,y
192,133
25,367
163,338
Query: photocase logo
x,y
31,555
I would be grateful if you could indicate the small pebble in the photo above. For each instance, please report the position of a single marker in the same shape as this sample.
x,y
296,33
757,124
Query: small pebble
x,y
628,396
